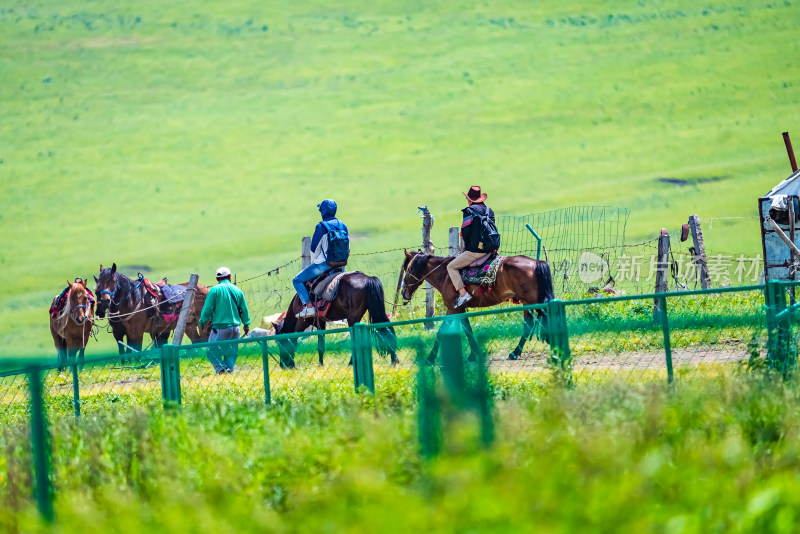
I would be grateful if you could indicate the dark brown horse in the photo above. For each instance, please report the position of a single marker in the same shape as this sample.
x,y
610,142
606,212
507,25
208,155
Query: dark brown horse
x,y
519,278
357,295
72,325
131,314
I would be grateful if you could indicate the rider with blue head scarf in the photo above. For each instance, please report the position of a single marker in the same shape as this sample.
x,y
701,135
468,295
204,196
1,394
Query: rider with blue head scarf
x,y
319,254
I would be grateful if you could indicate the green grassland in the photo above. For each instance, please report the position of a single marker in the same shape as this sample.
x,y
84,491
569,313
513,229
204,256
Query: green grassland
x,y
711,455
186,135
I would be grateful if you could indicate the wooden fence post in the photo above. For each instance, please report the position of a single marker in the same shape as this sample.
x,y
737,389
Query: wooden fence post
x,y
662,267
454,240
427,247
305,252
699,252
188,300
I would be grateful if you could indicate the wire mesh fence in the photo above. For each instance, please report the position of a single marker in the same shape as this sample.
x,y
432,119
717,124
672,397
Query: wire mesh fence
x,y
501,353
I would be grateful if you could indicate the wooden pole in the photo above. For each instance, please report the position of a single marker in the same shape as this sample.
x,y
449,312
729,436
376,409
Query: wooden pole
x,y
305,252
788,143
699,252
454,240
661,271
427,247
188,300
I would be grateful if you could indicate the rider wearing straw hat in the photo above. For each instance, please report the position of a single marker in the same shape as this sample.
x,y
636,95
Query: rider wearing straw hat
x,y
474,247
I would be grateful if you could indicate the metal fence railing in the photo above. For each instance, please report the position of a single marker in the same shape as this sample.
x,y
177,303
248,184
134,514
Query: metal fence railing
x,y
657,337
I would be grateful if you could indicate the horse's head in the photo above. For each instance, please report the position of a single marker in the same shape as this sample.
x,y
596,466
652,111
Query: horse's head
x,y
415,267
106,289
78,301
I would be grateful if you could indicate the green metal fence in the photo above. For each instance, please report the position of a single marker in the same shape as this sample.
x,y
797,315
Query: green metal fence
x,y
657,337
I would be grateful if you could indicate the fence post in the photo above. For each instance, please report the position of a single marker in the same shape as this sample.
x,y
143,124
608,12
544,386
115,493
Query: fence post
x,y
699,252
779,355
484,400
265,363
170,375
453,362
665,330
39,441
76,391
662,266
454,240
427,247
363,373
558,336
429,411
188,300
305,252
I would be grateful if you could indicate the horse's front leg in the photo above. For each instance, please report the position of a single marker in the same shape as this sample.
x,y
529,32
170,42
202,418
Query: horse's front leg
x,y
527,328
321,344
474,349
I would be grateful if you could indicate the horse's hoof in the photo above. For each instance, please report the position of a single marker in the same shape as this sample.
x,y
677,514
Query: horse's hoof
x,y
513,356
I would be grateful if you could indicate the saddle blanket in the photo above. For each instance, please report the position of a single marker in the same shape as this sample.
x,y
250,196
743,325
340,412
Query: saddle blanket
x,y
173,293
326,289
485,274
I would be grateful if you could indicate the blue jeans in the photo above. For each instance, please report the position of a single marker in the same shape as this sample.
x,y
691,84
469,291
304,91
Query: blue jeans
x,y
228,352
309,273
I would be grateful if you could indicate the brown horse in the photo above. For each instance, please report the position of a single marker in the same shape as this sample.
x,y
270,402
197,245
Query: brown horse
x,y
131,314
519,278
357,294
71,325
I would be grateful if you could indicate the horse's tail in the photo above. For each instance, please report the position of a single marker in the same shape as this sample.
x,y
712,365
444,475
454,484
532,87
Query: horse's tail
x,y
385,338
544,282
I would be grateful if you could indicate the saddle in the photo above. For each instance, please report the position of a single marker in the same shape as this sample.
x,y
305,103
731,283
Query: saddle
x,y
170,299
323,289
483,271
161,298
61,299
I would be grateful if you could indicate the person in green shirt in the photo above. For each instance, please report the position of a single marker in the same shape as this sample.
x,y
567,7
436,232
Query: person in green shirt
x,y
226,308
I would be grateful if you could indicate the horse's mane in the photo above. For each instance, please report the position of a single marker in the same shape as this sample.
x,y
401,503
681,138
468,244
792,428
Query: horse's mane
x,y
414,267
63,315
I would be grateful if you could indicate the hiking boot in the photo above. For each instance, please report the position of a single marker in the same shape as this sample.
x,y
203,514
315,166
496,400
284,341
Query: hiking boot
x,y
307,312
461,300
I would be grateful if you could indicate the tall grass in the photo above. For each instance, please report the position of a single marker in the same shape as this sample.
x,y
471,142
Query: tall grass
x,y
712,455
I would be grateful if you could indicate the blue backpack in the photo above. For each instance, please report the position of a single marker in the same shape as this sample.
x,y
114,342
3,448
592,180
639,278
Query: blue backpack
x,y
338,245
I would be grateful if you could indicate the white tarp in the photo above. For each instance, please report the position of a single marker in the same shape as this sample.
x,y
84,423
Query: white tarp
x,y
790,186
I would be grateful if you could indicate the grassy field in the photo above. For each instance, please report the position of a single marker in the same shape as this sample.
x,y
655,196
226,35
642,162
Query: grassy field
x,y
187,135
713,455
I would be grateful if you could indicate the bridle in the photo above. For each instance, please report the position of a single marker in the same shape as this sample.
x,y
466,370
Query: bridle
x,y
417,278
111,294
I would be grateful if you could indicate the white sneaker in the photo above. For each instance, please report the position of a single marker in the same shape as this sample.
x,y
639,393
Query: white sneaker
x,y
460,301
307,312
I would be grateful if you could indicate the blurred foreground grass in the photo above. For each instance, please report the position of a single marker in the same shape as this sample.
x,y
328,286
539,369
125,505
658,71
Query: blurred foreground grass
x,y
716,454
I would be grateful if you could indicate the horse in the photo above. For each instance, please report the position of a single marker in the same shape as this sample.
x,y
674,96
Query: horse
x,y
357,294
71,326
519,278
125,302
